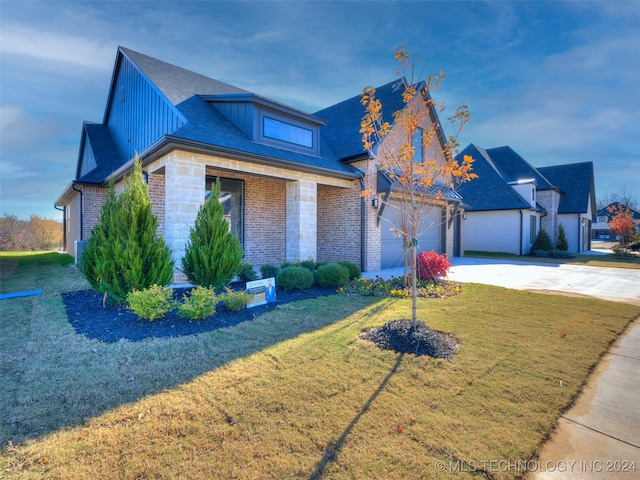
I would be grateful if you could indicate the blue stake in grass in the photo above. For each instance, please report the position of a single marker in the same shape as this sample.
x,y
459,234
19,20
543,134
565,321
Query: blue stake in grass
x,y
20,294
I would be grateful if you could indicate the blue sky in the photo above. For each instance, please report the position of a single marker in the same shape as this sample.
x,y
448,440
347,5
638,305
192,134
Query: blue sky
x,y
557,81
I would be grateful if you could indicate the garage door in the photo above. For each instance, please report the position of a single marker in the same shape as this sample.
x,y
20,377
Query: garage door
x,y
392,252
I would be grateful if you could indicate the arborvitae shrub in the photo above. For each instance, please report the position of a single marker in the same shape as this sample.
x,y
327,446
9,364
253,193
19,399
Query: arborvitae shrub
x,y
354,270
294,277
562,243
124,253
542,241
268,271
213,254
332,275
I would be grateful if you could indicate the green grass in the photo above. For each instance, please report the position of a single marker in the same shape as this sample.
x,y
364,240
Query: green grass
x,y
612,261
294,393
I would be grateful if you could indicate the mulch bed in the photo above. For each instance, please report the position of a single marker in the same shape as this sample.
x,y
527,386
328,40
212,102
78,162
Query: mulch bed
x,y
114,322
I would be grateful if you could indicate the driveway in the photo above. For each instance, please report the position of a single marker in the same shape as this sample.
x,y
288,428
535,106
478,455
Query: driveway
x,y
616,284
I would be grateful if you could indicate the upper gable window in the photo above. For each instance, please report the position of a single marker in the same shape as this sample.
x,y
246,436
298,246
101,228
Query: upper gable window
x,y
287,132
277,130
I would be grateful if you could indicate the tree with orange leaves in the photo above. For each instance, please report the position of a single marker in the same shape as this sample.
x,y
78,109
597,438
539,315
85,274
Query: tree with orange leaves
x,y
621,223
413,154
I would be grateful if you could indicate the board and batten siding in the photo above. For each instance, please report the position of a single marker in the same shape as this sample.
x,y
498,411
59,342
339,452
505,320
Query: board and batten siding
x,y
138,114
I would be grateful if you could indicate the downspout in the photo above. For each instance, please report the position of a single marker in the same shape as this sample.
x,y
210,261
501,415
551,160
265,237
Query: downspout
x,y
521,238
64,225
579,234
81,211
362,232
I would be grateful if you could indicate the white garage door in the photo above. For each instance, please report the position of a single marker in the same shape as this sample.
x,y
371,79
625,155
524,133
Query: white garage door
x,y
392,252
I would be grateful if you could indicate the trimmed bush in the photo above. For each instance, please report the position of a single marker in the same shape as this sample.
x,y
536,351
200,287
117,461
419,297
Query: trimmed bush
x,y
354,270
124,252
542,241
201,303
294,277
247,273
151,303
235,300
268,271
432,265
332,275
213,255
562,243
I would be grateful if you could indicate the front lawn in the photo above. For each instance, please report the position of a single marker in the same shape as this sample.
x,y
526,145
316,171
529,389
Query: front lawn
x,y
294,393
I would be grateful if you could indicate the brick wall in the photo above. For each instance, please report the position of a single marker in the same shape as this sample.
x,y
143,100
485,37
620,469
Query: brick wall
x,y
339,224
264,218
156,195
92,199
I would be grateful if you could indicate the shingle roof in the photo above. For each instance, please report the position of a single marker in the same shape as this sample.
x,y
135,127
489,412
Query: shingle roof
x,y
104,151
616,207
515,168
176,83
343,119
576,182
491,190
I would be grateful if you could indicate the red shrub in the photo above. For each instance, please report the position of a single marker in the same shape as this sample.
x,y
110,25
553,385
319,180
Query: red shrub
x,y
432,265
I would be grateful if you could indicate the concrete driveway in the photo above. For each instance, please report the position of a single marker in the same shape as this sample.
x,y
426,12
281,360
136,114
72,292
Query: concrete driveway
x,y
616,284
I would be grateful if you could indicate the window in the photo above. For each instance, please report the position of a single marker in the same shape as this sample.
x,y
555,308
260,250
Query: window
x,y
287,132
532,229
232,200
417,146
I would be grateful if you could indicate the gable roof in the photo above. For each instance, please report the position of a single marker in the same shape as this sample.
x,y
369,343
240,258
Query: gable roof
x,y
513,167
199,126
616,207
491,190
577,184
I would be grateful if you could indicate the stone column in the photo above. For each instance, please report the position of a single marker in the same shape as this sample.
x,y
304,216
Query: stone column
x,y
302,220
185,184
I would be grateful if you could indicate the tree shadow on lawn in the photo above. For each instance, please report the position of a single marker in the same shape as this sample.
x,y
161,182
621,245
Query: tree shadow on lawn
x,y
70,378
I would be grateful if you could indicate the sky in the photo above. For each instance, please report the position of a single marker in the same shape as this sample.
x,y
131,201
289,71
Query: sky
x,y
557,81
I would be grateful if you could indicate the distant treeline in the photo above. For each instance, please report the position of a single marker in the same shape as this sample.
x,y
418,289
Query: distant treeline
x,y
37,233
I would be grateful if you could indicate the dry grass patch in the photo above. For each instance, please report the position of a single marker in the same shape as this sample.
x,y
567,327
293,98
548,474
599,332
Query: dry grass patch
x,y
296,394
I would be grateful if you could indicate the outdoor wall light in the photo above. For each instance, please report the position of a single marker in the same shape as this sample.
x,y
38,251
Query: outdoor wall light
x,y
374,203
464,215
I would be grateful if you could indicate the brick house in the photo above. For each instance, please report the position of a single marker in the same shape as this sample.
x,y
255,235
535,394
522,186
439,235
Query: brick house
x,y
512,200
291,181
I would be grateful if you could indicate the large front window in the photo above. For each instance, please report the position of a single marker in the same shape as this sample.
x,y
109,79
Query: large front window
x,y
232,200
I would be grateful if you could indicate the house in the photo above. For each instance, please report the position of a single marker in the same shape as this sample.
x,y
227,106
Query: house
x,y
511,201
601,227
291,181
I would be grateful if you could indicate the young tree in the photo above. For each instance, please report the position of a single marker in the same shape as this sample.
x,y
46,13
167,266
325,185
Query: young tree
x,y
124,253
417,186
621,224
213,255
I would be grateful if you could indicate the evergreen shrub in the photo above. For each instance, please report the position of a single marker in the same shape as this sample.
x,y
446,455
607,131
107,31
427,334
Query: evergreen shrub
x,y
201,303
542,241
294,277
562,243
247,273
268,271
124,252
354,270
332,275
151,303
213,255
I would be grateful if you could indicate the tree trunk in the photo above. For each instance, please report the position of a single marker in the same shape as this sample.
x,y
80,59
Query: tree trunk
x,y
414,289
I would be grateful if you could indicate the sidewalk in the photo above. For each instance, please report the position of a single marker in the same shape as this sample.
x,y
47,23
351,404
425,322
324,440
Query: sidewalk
x,y
599,437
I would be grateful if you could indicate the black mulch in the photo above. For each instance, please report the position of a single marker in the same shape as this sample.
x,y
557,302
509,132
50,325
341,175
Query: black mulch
x,y
399,336
114,322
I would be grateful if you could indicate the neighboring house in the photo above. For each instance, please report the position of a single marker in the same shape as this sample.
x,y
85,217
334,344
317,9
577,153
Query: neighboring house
x,y
601,227
511,201
291,181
